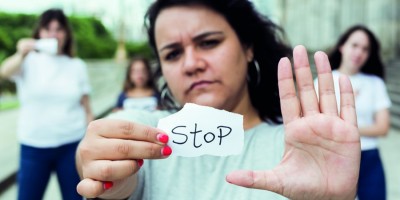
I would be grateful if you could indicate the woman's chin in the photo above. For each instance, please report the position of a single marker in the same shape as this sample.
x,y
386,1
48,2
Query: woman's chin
x,y
207,101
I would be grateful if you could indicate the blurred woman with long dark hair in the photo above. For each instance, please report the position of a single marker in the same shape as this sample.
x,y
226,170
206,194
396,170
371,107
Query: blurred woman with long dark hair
x,y
357,55
53,89
139,91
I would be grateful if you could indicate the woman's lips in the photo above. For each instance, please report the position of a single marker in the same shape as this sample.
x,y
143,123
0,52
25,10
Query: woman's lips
x,y
199,85
356,60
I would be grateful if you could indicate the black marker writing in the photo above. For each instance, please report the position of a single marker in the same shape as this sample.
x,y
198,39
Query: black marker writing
x,y
220,133
194,133
209,137
186,137
209,133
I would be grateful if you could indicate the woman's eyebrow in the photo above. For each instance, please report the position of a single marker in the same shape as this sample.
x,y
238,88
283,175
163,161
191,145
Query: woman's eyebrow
x,y
206,34
195,39
170,46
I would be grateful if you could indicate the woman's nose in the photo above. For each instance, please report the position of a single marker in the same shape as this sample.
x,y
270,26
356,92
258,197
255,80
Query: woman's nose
x,y
193,62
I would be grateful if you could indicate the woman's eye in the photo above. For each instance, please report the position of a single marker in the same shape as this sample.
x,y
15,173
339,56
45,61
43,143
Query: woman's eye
x,y
172,55
209,43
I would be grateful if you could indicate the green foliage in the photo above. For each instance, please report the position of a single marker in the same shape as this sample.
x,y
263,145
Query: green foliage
x,y
13,27
92,39
8,105
18,20
142,49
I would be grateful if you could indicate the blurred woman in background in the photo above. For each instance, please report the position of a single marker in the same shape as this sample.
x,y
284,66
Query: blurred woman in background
x,y
356,55
53,90
139,90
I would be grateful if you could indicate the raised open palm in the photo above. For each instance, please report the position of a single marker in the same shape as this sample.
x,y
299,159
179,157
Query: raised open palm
x,y
322,147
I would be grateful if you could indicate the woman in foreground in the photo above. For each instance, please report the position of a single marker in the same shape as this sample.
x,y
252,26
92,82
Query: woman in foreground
x,y
225,55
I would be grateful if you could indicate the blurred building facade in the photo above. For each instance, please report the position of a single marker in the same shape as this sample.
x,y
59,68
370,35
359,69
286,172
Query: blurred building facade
x,y
318,24
314,23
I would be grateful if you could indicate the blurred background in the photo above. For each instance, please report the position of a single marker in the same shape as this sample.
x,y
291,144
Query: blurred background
x,y
108,33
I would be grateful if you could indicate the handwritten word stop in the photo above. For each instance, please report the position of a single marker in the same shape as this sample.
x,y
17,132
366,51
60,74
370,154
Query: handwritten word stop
x,y
198,130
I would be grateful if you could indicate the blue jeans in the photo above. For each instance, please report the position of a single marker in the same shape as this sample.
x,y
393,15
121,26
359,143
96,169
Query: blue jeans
x,y
371,183
36,165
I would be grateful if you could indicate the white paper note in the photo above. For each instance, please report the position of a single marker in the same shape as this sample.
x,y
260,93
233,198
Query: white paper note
x,y
47,45
198,130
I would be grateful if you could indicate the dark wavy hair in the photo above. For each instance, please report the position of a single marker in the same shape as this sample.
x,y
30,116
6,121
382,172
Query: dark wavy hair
x,y
253,30
128,84
56,14
373,65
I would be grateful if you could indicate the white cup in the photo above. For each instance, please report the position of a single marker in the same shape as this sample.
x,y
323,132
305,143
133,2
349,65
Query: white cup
x,y
47,45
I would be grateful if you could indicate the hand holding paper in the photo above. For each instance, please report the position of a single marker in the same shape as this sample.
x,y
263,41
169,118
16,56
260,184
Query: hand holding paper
x,y
118,145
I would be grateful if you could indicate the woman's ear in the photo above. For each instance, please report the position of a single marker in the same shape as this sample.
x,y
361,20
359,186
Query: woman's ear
x,y
249,53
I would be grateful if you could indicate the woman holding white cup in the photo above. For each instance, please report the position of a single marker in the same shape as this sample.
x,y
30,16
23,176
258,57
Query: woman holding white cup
x,y
53,90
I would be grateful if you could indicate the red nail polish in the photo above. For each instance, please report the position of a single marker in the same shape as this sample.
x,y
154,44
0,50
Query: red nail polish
x,y
162,138
166,151
140,162
107,185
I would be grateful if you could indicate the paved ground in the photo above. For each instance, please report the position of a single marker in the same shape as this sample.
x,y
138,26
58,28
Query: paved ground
x,y
8,143
389,148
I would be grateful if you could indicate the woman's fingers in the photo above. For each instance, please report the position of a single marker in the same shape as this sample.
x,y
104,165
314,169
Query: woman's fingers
x,y
107,170
304,80
347,104
122,129
120,149
290,105
90,188
327,98
266,180
25,45
113,150
113,140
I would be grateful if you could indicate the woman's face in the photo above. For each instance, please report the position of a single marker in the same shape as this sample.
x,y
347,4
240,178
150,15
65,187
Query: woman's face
x,y
201,57
138,74
54,30
355,51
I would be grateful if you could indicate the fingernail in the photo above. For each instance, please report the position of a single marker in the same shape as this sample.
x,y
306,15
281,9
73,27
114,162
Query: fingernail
x,y
140,162
162,138
166,151
107,185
